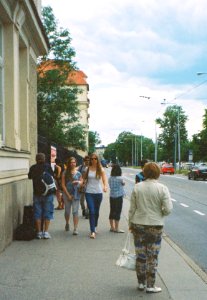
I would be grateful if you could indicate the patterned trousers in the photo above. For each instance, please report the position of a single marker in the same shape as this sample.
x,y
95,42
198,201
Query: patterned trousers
x,y
147,242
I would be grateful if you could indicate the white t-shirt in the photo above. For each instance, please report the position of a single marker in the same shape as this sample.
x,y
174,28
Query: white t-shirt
x,y
94,185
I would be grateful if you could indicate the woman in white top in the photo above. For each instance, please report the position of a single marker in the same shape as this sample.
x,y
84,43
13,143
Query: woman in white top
x,y
150,203
96,183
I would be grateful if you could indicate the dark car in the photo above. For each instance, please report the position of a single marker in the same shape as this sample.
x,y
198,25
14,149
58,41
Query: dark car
x,y
198,172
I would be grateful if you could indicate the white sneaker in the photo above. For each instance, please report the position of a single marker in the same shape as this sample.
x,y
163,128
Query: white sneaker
x,y
46,235
154,289
39,235
141,286
75,232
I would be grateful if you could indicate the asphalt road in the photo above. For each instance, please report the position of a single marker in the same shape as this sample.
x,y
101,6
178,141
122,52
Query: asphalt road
x,y
187,224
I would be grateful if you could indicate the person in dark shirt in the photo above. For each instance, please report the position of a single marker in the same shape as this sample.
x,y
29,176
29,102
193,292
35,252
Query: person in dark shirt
x,y
140,176
43,205
59,168
82,169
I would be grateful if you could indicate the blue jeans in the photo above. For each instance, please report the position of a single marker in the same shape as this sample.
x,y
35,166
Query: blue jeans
x,y
94,203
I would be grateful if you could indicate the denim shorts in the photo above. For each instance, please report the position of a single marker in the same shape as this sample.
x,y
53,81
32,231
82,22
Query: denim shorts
x,y
43,207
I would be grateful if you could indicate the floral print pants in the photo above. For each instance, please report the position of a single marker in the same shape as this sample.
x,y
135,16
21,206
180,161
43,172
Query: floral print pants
x,y
147,242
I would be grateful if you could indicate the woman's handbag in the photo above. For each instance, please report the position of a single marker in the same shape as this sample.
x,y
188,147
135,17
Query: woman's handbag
x,y
82,189
126,259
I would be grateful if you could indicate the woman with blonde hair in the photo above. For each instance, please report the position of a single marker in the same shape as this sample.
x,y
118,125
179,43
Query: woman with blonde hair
x,y
150,203
71,181
96,183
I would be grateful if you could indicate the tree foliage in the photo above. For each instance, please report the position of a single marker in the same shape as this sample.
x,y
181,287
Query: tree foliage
x,y
167,140
94,140
199,142
58,113
127,149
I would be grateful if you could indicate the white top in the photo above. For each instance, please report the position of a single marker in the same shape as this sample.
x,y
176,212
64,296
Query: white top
x,y
150,203
94,185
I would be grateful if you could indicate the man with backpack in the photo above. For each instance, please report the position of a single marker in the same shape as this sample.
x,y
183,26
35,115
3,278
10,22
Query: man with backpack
x,y
43,192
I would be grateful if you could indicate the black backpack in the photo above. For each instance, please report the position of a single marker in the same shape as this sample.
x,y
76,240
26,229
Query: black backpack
x,y
47,184
26,231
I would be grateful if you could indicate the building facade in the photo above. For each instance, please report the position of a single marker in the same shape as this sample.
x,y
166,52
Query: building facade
x,y
79,79
22,41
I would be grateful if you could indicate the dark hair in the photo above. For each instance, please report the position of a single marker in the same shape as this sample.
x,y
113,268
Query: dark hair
x,y
151,170
68,173
57,161
143,162
116,170
40,157
86,157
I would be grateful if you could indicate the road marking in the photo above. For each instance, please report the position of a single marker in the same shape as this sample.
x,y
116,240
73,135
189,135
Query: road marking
x,y
183,178
199,213
184,205
173,200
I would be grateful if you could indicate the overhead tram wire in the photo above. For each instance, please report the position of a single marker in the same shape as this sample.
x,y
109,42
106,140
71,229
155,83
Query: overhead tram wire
x,y
191,89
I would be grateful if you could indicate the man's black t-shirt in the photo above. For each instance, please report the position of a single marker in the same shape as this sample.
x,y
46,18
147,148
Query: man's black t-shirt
x,y
35,173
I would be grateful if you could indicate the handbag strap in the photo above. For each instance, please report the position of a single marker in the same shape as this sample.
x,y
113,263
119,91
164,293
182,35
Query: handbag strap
x,y
127,245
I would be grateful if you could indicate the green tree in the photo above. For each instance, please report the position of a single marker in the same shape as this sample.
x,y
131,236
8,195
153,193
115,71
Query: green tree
x,y
199,142
110,152
127,147
94,140
58,113
168,138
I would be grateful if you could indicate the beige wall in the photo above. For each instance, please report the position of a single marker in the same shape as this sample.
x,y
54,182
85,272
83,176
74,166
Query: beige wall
x,y
84,115
23,42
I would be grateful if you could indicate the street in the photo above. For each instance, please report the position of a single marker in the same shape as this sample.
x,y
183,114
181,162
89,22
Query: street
x,y
187,224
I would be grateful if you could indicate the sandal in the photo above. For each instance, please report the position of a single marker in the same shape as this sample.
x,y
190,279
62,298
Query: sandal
x,y
93,235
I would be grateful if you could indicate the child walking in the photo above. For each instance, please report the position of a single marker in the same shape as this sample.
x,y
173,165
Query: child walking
x,y
116,184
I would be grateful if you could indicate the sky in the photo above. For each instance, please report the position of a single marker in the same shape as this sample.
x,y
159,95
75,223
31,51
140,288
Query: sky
x,y
135,54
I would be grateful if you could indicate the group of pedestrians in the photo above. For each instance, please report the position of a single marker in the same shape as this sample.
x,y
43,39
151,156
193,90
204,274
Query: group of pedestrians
x,y
150,202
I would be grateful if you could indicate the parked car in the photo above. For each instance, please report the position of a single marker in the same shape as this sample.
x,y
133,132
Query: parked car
x,y
198,172
167,169
188,165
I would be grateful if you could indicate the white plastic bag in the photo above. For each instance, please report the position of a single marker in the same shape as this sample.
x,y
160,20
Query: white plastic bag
x,y
126,259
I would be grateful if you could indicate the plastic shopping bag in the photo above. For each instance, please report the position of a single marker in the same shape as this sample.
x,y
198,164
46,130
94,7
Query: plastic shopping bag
x,y
126,259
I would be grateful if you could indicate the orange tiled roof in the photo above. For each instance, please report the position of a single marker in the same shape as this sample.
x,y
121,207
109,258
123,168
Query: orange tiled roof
x,y
77,77
74,77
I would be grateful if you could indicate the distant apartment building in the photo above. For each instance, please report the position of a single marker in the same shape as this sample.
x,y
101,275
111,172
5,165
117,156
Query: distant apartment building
x,y
22,41
79,79
100,151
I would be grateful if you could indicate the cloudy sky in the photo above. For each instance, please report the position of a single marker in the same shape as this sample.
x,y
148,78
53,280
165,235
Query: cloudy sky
x,y
133,48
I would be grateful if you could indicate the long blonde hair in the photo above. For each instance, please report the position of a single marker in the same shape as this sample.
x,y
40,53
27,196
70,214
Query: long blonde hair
x,y
98,167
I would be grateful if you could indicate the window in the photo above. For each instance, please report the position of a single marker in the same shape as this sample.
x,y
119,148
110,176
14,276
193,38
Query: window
x,y
1,89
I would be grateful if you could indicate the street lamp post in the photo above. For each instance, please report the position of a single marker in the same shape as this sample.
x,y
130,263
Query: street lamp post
x,y
156,143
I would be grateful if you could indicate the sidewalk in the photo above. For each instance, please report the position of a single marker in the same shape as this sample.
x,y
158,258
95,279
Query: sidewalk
x,y
76,267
